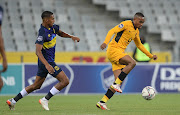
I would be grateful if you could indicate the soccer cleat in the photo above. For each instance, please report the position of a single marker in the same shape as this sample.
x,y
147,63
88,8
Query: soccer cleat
x,y
10,104
116,87
102,106
44,104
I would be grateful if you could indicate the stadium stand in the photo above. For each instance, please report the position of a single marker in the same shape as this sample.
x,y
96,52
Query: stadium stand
x,y
90,20
163,20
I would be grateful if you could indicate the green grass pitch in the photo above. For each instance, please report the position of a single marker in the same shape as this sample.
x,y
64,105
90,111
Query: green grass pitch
x,y
126,104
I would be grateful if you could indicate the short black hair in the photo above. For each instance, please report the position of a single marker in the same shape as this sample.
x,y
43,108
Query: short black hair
x,y
139,14
46,14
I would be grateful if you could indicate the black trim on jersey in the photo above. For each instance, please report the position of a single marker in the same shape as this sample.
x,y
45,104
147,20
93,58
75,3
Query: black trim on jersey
x,y
118,36
133,25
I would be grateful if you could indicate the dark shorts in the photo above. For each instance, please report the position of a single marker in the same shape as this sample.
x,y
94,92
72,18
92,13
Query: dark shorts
x,y
42,71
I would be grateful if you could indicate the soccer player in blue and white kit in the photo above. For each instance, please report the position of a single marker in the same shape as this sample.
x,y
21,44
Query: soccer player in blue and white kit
x,y
45,50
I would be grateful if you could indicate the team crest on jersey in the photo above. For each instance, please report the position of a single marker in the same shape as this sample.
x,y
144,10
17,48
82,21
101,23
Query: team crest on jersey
x,y
40,38
49,35
121,26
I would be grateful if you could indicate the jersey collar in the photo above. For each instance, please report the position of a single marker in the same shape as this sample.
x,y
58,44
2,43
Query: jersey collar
x,y
133,25
45,27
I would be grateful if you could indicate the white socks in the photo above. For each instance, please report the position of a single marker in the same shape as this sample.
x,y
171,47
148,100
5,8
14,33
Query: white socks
x,y
24,92
54,91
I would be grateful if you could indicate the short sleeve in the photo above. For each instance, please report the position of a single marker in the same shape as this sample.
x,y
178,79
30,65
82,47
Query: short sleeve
x,y
56,27
41,37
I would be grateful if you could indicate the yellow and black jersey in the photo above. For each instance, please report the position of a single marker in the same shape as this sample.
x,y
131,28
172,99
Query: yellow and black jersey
x,y
124,33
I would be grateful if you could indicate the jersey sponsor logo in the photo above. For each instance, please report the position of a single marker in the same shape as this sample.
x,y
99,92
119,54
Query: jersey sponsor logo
x,y
40,38
121,26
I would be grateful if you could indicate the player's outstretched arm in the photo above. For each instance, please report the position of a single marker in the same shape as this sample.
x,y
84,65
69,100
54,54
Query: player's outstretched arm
x,y
2,52
65,35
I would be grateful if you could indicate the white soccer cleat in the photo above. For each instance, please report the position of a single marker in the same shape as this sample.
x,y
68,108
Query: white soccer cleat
x,y
44,104
10,104
116,87
102,106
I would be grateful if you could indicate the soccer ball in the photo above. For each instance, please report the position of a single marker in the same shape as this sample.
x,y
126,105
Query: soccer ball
x,y
148,93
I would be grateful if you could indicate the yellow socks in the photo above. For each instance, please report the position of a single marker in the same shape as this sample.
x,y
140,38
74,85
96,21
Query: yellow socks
x,y
118,81
105,98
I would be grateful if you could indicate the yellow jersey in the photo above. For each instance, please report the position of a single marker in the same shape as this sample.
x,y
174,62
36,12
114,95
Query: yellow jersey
x,y
125,32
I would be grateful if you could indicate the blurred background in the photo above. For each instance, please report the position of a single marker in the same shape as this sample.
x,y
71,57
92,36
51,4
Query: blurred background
x,y
90,20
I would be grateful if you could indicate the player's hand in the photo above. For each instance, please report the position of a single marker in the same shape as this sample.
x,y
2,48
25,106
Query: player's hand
x,y
154,57
4,65
103,46
74,38
50,69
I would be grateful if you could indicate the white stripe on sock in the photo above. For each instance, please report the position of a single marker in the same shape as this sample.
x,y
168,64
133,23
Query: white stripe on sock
x,y
24,92
54,91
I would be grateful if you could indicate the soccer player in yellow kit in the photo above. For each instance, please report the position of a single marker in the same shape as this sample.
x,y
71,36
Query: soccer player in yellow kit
x,y
122,63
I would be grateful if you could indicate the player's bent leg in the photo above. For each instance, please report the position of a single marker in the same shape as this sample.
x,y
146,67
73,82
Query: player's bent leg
x,y
129,62
63,80
36,85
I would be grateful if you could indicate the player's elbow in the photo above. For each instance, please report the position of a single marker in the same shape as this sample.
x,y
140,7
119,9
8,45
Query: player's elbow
x,y
37,53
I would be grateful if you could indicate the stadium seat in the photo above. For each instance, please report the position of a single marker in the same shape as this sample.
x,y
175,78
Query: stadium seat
x,y
168,36
125,12
162,19
173,19
87,21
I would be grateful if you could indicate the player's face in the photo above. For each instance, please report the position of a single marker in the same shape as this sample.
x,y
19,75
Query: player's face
x,y
139,22
51,20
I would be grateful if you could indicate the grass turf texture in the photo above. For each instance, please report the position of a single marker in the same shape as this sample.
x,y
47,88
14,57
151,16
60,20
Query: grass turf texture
x,y
162,104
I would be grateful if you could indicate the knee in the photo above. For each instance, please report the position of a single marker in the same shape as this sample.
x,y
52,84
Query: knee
x,y
66,82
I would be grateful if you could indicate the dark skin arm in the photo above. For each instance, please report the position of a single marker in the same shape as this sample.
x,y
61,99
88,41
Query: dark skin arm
x,y
2,51
65,35
42,59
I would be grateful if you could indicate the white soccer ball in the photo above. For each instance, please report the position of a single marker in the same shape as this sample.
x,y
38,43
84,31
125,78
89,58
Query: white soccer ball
x,y
148,93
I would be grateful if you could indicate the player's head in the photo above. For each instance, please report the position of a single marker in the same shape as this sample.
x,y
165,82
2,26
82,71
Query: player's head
x,y
138,20
48,18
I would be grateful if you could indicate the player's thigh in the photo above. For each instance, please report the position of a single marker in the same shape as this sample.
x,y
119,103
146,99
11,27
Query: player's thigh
x,y
114,54
126,60
62,77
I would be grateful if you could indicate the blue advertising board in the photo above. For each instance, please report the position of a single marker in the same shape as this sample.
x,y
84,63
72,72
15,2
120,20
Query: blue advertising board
x,y
96,78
